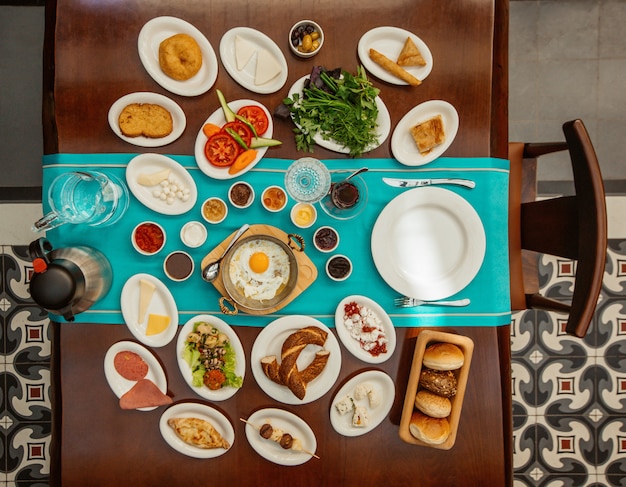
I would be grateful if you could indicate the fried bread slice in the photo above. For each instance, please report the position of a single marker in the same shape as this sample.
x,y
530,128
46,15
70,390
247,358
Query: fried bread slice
x,y
145,119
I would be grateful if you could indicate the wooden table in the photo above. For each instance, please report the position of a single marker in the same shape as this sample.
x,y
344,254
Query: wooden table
x,y
91,60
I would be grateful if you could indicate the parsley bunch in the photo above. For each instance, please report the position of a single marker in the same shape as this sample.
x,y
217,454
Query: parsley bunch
x,y
343,110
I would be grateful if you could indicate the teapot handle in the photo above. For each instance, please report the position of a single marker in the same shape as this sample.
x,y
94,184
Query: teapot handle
x,y
38,249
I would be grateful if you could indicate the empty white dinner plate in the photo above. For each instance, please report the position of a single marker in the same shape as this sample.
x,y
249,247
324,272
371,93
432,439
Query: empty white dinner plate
x,y
179,121
389,41
200,411
154,163
403,146
428,243
156,31
263,45
383,130
118,384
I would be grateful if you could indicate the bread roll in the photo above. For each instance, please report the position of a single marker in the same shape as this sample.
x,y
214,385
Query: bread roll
x,y
433,404
433,431
443,356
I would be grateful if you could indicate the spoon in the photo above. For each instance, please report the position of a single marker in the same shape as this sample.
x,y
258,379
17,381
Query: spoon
x,y
358,171
211,271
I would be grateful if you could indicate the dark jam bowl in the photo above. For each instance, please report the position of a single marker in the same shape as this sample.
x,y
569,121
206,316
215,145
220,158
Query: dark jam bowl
x,y
178,265
148,238
338,267
326,239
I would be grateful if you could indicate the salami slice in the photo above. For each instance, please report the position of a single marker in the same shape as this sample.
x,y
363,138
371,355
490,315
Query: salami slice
x,y
130,365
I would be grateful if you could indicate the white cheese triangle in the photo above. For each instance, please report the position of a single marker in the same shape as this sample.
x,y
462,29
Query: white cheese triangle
x,y
244,50
152,179
267,67
146,290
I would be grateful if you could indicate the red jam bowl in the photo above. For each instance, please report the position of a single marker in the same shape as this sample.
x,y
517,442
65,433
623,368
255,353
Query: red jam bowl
x,y
148,238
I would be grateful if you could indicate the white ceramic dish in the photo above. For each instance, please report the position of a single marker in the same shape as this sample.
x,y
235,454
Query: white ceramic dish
x,y
118,384
245,77
383,130
217,117
269,342
152,163
383,387
428,243
162,303
240,366
352,344
156,31
389,41
289,423
403,146
179,121
200,411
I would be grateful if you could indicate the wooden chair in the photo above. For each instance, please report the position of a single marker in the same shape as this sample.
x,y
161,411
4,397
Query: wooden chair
x,y
573,227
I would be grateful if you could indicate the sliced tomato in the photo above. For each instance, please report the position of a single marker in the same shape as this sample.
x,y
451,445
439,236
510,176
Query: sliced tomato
x,y
221,149
240,129
256,116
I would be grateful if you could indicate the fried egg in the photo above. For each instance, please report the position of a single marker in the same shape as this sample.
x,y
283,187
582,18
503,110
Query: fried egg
x,y
260,269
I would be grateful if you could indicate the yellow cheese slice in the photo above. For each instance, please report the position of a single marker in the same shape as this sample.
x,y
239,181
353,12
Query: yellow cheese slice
x,y
267,68
146,290
154,178
157,324
244,50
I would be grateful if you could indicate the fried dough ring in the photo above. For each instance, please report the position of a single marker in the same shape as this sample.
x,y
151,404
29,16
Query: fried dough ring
x,y
180,57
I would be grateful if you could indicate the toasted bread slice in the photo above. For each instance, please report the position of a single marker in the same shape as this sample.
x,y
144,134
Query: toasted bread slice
x,y
429,134
145,119
410,55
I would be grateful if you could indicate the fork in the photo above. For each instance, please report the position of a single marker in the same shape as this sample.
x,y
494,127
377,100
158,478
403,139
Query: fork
x,y
406,302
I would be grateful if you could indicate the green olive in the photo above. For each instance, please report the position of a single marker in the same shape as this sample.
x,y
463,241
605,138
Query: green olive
x,y
307,43
315,35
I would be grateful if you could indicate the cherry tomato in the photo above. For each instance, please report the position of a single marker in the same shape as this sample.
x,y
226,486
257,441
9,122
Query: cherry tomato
x,y
242,130
256,116
221,149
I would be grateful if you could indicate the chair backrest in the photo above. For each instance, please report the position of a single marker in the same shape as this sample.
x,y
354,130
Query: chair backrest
x,y
573,227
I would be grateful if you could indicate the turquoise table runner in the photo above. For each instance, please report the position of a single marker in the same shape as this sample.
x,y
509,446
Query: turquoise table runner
x,y
489,291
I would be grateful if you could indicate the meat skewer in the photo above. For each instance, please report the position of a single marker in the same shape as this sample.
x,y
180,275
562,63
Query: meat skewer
x,y
285,440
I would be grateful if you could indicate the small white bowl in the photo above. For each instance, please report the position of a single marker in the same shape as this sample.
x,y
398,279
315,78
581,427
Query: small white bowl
x,y
193,234
325,231
341,277
134,242
238,204
295,49
269,196
178,265
210,202
303,215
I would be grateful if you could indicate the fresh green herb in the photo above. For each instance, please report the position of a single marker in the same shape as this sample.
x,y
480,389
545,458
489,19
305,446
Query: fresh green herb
x,y
343,111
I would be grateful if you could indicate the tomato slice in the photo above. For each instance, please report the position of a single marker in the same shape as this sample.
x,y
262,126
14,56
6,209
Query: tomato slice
x,y
256,116
242,130
221,149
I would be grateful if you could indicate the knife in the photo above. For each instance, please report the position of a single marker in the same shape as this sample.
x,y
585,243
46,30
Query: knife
x,y
414,183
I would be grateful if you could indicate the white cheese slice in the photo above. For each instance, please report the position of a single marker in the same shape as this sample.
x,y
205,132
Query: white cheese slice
x,y
244,50
146,290
154,178
267,67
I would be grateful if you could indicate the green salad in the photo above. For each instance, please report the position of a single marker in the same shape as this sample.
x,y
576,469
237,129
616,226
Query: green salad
x,y
211,358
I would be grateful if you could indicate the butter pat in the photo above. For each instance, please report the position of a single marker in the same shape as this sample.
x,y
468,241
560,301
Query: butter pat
x,y
146,290
157,324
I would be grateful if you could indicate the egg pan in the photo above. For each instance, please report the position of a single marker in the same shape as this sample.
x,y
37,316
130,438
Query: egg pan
x,y
425,338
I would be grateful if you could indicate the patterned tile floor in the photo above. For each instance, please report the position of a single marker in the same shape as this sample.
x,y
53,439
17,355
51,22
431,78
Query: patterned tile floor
x,y
569,394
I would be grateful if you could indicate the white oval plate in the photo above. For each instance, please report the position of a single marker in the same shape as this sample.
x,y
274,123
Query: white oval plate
x,y
386,390
402,144
179,120
383,130
217,117
389,41
428,243
240,367
152,163
118,384
162,303
270,342
246,76
289,423
353,346
156,31
200,411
